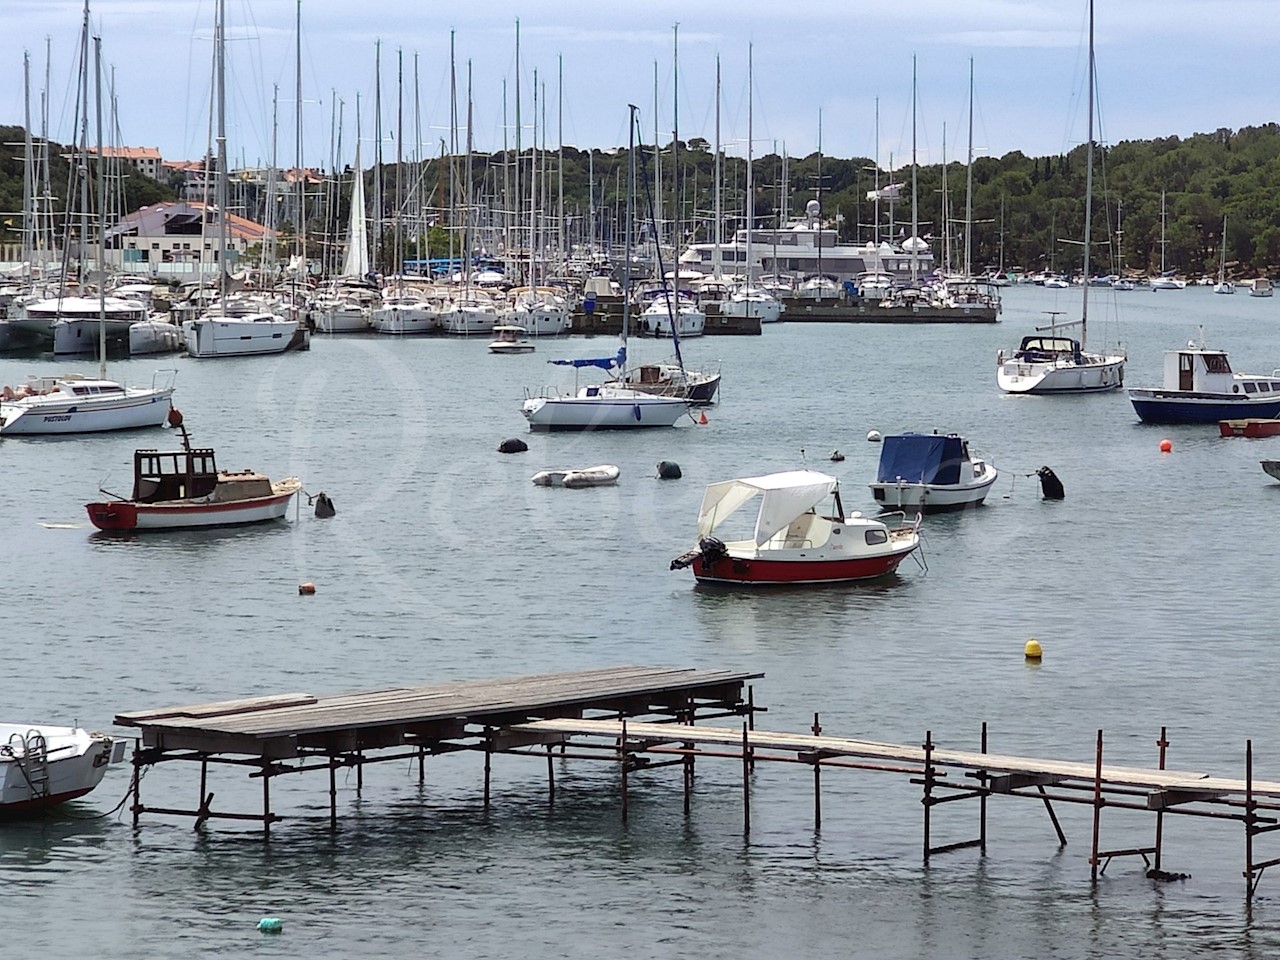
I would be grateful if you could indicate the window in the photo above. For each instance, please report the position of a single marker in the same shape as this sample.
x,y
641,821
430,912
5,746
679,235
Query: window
x,y
1249,387
1216,363
1264,387
876,536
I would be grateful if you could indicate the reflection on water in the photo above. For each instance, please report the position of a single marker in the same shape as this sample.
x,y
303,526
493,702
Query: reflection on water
x,y
444,562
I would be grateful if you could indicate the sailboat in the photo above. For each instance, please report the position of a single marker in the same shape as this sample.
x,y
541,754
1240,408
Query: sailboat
x,y
750,300
1223,285
610,405
1056,364
235,328
73,403
1166,280
346,307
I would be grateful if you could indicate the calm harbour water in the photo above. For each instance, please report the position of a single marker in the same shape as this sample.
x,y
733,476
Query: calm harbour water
x,y
1148,586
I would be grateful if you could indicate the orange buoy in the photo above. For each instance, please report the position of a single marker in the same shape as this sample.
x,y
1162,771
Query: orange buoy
x,y
1166,446
702,418
306,589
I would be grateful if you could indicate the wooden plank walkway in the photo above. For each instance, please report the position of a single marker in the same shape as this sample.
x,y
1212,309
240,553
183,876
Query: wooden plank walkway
x,y
1153,780
291,720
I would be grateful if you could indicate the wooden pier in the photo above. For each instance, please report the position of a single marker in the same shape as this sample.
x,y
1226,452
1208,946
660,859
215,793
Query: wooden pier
x,y
606,319
646,718
844,310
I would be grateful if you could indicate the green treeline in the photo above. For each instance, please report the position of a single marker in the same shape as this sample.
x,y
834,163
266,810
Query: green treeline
x,y
1029,208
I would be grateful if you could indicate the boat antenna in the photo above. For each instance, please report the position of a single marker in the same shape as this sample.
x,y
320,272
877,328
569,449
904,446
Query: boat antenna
x,y
674,292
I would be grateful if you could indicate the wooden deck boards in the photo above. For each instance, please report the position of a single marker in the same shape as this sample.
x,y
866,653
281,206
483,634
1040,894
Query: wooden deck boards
x,y
300,714
1115,775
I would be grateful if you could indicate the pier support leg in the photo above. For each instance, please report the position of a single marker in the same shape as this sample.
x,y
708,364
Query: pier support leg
x,y
551,776
359,772
746,783
751,716
488,764
422,765
817,779
333,792
136,786
1053,817
622,757
928,789
1097,811
1163,744
266,799
982,801
204,778
1250,881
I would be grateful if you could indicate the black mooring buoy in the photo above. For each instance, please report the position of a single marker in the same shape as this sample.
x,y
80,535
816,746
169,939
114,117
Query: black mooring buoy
x,y
324,506
837,456
513,445
669,470
1050,485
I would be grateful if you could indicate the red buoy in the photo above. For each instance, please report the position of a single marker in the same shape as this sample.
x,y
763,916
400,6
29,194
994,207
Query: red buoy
x,y
1166,446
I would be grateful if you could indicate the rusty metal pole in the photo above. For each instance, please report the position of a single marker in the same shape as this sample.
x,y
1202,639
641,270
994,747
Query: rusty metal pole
x,y
359,772
204,778
746,783
928,788
422,765
137,783
817,778
1163,744
751,716
982,801
622,757
266,799
551,776
333,792
488,764
1248,819
1097,811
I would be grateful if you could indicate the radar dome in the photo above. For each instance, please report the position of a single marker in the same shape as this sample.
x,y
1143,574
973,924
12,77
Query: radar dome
x,y
812,208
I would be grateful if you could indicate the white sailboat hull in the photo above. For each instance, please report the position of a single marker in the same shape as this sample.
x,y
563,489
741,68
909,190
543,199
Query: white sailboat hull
x,y
1015,376
139,407
620,410
75,763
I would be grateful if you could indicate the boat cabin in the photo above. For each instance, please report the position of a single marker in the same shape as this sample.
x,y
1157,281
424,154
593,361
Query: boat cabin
x,y
1195,370
1047,349
173,475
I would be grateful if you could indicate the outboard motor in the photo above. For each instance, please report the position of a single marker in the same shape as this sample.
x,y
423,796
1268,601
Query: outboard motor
x,y
1050,485
709,549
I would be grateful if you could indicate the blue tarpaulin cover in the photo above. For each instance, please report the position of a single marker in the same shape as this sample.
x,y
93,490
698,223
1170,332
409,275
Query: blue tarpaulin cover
x,y
604,363
920,458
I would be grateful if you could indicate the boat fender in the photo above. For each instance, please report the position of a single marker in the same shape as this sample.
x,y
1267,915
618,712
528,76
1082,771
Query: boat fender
x,y
513,445
636,411
324,506
669,470
1050,485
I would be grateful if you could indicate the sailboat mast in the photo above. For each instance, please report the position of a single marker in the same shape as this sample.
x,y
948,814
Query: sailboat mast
x,y
915,214
717,257
1088,193
629,225
518,194
751,190
675,152
377,155
300,237
102,216
875,228
220,84
84,141
560,161
968,190
28,173
268,259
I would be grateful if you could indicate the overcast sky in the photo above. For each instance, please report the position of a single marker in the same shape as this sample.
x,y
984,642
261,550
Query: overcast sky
x,y
1165,67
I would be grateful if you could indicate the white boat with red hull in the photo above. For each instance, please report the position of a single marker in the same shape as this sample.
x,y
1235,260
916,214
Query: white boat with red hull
x,y
791,542
184,489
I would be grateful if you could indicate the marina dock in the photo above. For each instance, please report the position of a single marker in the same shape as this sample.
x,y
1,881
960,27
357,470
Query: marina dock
x,y
646,718
841,310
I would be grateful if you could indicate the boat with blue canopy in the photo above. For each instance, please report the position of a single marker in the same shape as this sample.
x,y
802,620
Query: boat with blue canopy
x,y
930,472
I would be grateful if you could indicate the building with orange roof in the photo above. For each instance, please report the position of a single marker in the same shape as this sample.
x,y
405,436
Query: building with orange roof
x,y
147,160
179,232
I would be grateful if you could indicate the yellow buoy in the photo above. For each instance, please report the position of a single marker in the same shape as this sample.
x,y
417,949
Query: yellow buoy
x,y
1033,650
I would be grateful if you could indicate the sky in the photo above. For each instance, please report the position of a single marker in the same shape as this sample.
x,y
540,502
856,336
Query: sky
x,y
1165,67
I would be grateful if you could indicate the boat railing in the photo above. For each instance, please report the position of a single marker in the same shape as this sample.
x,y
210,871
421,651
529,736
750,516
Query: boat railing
x,y
164,378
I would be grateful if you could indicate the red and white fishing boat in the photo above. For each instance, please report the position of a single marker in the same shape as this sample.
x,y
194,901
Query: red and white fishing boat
x,y
42,766
791,541
181,489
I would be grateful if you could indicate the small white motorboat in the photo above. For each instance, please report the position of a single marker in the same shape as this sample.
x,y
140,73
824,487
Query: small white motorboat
x,y
603,475
930,473
510,339
43,766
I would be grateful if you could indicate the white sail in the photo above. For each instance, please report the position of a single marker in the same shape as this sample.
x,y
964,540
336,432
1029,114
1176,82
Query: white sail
x,y
356,262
